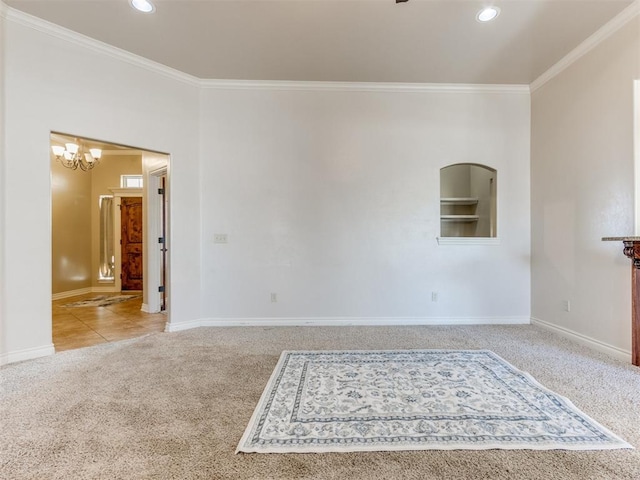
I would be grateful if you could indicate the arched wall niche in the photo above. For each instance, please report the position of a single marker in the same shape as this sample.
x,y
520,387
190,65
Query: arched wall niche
x,y
468,200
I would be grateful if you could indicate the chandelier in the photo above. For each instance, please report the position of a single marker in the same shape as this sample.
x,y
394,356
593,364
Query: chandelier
x,y
73,155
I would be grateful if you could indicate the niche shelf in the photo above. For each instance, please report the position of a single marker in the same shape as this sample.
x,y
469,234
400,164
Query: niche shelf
x,y
459,218
459,201
461,209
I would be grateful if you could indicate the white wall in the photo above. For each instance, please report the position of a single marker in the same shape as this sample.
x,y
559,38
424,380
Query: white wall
x,y
53,82
583,189
3,272
331,200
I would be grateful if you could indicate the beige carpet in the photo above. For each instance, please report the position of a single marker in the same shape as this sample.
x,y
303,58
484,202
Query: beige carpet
x,y
175,406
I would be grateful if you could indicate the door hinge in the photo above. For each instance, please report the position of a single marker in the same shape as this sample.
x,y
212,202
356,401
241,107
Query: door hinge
x,y
160,191
160,239
161,288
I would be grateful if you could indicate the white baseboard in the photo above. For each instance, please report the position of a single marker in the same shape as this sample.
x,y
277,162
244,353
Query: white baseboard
x,y
70,293
343,321
26,354
179,326
111,289
146,308
603,347
83,291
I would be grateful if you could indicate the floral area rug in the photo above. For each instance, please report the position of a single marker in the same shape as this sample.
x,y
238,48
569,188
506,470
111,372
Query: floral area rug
x,y
344,401
102,301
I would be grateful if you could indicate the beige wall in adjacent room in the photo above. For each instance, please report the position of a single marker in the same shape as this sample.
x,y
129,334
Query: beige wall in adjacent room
x,y
76,218
104,177
71,228
582,189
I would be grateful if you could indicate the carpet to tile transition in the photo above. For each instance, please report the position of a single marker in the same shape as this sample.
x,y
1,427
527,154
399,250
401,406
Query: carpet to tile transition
x,y
344,401
102,301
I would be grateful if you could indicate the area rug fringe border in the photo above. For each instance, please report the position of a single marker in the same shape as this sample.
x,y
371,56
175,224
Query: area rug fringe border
x,y
258,409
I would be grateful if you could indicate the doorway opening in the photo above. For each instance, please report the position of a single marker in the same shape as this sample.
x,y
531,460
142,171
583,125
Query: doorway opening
x,y
103,238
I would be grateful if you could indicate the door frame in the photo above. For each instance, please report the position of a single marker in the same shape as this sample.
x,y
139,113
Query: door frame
x,y
118,194
153,257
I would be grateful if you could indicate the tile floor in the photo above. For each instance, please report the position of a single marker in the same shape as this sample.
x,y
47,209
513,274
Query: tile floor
x,y
76,327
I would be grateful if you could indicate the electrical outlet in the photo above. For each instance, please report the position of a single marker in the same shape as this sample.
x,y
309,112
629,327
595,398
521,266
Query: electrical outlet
x,y
274,297
219,238
566,304
434,296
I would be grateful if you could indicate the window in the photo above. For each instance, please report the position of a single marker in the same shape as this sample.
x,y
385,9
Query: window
x,y
468,201
131,181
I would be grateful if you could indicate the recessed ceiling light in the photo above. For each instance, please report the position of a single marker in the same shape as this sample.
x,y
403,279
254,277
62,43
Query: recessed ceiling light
x,y
144,6
487,14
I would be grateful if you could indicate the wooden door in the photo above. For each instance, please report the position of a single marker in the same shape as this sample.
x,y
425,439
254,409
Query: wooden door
x,y
131,225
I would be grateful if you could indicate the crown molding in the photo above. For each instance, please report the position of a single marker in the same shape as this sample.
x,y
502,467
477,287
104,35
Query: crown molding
x,y
48,28
604,32
362,86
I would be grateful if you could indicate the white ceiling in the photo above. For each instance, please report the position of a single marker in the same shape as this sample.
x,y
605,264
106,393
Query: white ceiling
x,y
422,41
